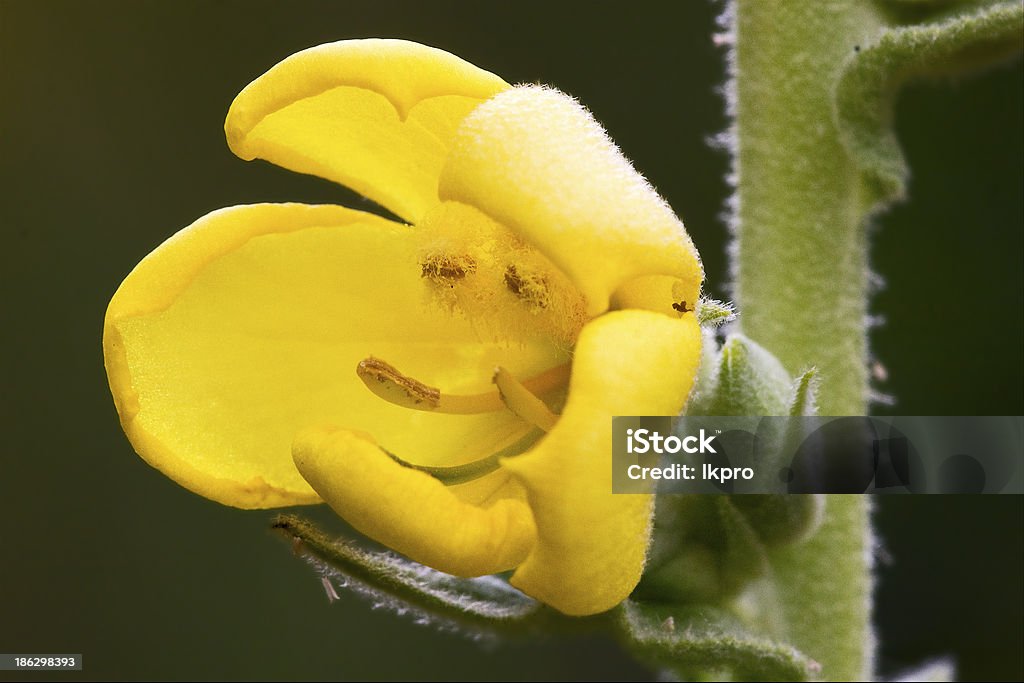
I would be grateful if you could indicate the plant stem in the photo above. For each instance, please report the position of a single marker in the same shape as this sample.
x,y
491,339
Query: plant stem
x,y
800,261
801,280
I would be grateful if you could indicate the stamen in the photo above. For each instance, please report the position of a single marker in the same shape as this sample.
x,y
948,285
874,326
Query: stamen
x,y
447,268
530,288
460,474
394,387
388,383
522,401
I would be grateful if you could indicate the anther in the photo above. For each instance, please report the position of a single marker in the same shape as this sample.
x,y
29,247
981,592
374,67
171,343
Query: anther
x,y
445,268
528,287
394,387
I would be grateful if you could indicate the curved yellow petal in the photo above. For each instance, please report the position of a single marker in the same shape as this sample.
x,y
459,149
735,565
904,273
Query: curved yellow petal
x,y
536,161
248,325
659,293
375,115
591,543
410,511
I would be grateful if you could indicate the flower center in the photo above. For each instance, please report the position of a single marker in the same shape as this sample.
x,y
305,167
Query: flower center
x,y
512,294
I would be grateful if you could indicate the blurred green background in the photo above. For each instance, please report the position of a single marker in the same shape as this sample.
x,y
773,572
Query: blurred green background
x,y
111,140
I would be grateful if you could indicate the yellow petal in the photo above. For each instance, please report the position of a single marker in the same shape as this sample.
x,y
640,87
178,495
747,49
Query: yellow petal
x,y
591,542
248,325
375,115
660,293
536,161
410,511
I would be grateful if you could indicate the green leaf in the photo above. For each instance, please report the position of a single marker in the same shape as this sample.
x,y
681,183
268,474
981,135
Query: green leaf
x,y
782,519
480,606
714,313
957,42
742,557
700,642
802,402
746,380
705,384
682,566
703,550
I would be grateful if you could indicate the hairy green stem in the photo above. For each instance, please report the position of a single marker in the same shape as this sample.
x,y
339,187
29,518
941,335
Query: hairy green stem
x,y
800,262
801,282
811,94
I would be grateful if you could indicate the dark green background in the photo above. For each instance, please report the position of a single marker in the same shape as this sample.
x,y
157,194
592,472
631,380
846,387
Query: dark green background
x,y
111,140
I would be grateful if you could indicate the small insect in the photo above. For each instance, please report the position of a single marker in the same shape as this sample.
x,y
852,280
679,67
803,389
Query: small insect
x,y
681,307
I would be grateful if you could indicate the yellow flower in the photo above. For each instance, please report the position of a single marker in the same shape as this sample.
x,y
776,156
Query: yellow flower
x,y
239,352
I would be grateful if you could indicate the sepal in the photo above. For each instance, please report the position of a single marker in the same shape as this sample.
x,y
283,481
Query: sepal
x,y
744,378
693,642
479,607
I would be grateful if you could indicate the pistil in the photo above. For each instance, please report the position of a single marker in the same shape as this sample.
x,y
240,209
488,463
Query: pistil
x,y
460,474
